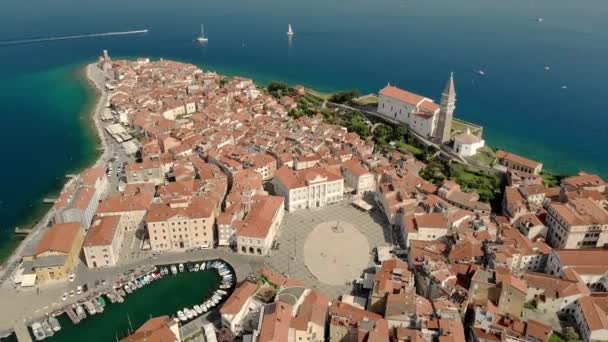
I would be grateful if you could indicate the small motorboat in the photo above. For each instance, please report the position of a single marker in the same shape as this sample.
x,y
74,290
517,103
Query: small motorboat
x,y
188,313
127,288
203,266
38,331
198,309
54,322
181,316
540,20
181,267
174,269
196,267
47,328
479,72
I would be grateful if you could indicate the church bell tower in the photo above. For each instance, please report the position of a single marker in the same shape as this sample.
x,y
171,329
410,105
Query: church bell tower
x,y
446,114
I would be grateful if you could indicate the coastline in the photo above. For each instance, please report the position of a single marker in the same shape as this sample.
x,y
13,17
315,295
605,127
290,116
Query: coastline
x,y
96,83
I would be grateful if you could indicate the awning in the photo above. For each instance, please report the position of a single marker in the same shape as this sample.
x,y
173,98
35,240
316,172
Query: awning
x,y
361,204
28,280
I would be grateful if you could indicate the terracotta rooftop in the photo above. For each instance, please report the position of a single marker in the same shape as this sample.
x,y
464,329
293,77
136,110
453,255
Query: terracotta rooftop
x,y
102,231
59,238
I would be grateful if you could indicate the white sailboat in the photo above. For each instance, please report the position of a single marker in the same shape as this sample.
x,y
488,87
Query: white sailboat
x,y
202,38
289,30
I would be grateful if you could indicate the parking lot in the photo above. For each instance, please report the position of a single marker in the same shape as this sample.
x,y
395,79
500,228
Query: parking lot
x,y
289,258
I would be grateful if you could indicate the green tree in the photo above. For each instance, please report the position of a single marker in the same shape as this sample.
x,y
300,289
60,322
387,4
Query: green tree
x,y
277,88
345,96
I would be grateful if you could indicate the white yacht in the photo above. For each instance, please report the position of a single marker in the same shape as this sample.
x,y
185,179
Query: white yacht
x,y
181,267
202,38
196,267
174,269
289,30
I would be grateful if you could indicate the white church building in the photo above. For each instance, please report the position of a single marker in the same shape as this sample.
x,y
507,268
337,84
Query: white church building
x,y
422,115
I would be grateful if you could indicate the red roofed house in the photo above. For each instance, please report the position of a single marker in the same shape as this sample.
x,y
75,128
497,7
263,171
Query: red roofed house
x,y
56,254
308,324
591,316
238,306
255,233
349,323
425,227
275,319
519,163
157,329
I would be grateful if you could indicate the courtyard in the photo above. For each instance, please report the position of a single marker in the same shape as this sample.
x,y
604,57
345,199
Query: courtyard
x,y
329,248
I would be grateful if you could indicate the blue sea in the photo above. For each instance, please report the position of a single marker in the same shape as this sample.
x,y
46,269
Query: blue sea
x,y
338,44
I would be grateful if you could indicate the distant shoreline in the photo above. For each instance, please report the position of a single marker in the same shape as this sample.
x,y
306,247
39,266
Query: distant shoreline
x,y
36,215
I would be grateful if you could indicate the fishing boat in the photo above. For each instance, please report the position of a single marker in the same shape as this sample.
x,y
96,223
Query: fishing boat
x,y
38,331
54,322
121,292
289,30
127,288
173,270
181,267
202,38
479,72
197,267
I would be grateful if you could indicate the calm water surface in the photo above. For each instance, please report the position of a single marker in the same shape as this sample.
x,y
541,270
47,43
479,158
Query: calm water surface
x,y
164,297
338,44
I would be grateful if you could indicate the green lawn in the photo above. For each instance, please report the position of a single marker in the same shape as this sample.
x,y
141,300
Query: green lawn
x,y
366,100
484,156
404,148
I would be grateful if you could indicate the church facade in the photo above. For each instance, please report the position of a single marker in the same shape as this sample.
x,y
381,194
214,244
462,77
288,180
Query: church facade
x,y
421,114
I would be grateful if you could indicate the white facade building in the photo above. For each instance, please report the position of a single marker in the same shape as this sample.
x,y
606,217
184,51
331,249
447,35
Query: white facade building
x,y
309,188
467,144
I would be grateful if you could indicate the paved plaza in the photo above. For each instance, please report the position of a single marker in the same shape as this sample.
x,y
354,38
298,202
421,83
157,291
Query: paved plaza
x,y
329,258
294,234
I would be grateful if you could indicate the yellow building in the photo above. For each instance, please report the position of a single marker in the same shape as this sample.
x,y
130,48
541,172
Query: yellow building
x,y
56,254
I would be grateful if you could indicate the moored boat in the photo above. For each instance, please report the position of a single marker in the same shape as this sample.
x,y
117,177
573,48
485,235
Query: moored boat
x,y
173,270
54,322
38,331
181,267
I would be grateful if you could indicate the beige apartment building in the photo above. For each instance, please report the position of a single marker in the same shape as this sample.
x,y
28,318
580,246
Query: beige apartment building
x,y
255,233
182,226
309,188
358,178
579,223
103,242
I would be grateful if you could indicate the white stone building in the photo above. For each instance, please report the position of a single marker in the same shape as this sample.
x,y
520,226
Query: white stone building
x,y
101,246
309,188
357,177
467,144
179,228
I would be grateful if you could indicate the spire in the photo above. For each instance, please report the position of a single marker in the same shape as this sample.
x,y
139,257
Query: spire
x,y
449,89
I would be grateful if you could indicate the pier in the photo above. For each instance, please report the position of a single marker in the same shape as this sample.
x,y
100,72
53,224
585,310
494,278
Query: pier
x,y
49,200
23,335
23,231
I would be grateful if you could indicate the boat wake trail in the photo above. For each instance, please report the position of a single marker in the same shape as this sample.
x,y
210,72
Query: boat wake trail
x,y
80,36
